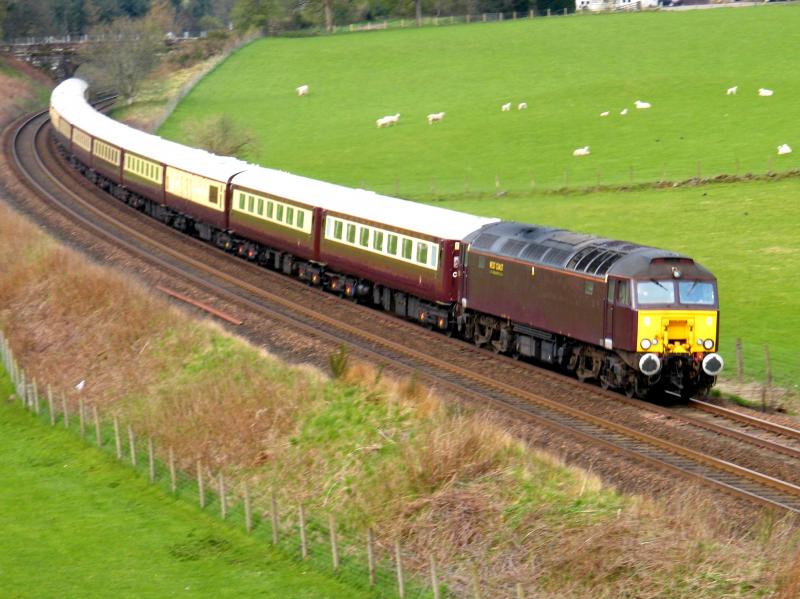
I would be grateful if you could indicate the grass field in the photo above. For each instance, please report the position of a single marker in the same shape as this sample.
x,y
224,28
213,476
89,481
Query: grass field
x,y
567,70
680,62
76,524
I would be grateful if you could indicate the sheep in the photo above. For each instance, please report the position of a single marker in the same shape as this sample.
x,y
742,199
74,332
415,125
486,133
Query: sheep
x,y
732,90
623,112
302,90
506,107
386,121
584,151
522,106
393,118
642,105
765,92
435,117
784,149
604,113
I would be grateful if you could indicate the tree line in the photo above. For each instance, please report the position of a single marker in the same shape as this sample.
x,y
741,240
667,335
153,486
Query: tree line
x,y
37,18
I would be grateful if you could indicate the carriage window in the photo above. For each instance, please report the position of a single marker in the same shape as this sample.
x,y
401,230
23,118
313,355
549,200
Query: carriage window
x,y
392,244
407,247
289,215
212,194
279,213
422,252
351,233
241,201
435,258
364,237
251,204
270,209
301,215
377,240
337,229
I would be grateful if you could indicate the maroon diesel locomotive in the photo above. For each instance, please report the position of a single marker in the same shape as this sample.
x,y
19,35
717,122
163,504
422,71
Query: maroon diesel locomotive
x,y
631,317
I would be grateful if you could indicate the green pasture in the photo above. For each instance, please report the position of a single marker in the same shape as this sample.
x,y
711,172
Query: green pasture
x,y
568,70
505,164
76,524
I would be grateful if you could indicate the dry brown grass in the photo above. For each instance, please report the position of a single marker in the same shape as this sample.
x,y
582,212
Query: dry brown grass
x,y
371,448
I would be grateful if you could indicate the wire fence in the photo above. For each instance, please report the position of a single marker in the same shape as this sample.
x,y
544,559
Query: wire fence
x,y
362,558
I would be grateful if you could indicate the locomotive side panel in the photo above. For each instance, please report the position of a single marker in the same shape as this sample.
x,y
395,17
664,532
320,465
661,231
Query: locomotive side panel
x,y
548,299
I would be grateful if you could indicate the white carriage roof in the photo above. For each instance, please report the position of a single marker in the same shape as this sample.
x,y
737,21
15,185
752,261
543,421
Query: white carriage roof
x,y
367,205
69,101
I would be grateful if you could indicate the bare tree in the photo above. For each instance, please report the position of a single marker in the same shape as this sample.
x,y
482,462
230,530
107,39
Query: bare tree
x,y
220,135
418,10
125,52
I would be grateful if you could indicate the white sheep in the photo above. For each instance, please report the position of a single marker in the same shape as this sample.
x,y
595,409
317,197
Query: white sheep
x,y
302,90
784,149
606,113
522,106
584,151
393,118
383,122
732,90
642,105
435,117
623,112
765,92
506,107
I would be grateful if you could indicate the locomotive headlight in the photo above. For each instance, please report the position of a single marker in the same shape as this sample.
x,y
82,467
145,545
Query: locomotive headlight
x,y
708,344
655,340
700,342
645,343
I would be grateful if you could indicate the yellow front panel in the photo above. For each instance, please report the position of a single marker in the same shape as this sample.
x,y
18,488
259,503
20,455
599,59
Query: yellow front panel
x,y
676,331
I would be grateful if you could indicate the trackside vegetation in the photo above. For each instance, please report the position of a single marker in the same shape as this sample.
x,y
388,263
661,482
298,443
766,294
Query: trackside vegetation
x,y
519,164
370,450
76,523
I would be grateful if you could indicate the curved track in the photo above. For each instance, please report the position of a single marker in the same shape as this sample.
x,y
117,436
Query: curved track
x,y
455,367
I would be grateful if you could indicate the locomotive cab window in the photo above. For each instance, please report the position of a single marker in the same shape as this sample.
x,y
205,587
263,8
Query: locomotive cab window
x,y
623,297
655,292
696,292
612,287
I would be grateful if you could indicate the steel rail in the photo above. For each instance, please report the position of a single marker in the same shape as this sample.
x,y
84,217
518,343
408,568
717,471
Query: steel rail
x,y
753,421
521,406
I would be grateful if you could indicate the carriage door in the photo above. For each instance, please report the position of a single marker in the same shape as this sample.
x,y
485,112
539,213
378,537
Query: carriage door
x,y
608,319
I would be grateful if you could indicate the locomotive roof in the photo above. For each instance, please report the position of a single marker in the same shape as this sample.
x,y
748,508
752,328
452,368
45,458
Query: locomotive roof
x,y
367,205
577,252
69,101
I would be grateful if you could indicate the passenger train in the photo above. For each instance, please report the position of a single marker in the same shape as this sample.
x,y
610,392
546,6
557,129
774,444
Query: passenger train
x,y
633,318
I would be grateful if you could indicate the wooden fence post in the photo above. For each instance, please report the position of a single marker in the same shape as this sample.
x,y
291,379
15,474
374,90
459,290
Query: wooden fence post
x,y
476,583
50,405
200,485
132,445
172,478
117,438
151,459
64,409
401,583
739,360
274,515
223,502
334,545
768,382
248,510
97,435
303,540
434,578
371,556
81,418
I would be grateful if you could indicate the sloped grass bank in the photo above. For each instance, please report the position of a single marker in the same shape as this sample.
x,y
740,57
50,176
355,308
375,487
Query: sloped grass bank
x,y
370,450
77,524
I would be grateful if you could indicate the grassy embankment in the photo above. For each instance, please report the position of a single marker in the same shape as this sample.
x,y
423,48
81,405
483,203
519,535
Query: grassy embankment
x,y
370,450
78,524
568,70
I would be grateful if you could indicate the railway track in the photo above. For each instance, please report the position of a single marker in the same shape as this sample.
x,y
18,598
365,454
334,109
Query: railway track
x,y
28,145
